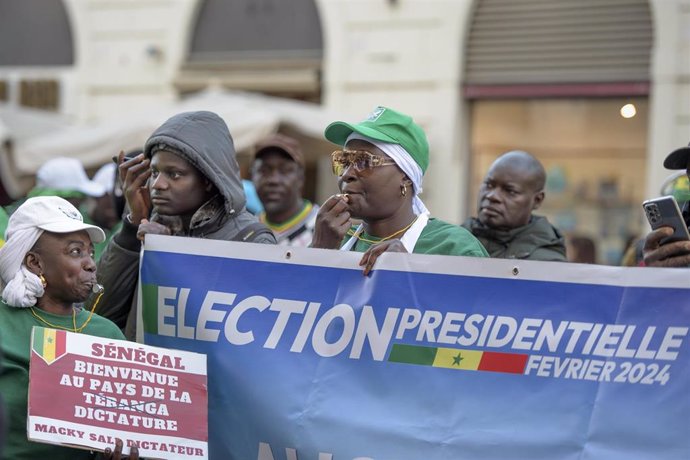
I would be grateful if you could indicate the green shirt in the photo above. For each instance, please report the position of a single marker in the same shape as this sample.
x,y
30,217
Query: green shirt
x,y
15,340
438,237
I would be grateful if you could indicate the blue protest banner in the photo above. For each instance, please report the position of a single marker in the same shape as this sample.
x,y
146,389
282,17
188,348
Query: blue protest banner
x,y
430,357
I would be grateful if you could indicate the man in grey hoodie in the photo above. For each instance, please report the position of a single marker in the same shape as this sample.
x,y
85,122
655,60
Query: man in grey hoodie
x,y
185,183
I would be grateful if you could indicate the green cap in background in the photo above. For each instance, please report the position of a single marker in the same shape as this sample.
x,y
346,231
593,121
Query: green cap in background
x,y
386,125
677,185
62,193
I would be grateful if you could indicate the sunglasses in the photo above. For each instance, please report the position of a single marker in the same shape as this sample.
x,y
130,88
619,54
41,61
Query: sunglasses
x,y
359,159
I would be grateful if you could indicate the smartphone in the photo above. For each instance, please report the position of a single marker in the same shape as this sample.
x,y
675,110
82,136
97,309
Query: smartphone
x,y
664,212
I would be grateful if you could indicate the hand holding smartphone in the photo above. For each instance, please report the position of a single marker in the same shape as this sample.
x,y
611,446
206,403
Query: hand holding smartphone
x,y
664,212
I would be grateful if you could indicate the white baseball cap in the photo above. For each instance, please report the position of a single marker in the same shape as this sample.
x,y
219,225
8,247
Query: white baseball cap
x,y
67,174
106,176
52,214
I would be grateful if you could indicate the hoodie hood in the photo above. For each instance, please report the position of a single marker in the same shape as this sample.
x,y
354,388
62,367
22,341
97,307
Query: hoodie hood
x,y
203,139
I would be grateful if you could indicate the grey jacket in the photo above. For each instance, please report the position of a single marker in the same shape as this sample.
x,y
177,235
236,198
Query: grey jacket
x,y
202,139
538,240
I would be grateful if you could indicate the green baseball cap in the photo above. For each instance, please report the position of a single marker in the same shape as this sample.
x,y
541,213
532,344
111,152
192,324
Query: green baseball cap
x,y
386,125
678,185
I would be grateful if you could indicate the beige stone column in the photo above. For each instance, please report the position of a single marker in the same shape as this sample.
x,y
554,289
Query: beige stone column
x,y
669,108
127,53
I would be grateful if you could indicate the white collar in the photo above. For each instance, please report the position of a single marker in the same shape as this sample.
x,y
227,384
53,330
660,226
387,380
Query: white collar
x,y
409,238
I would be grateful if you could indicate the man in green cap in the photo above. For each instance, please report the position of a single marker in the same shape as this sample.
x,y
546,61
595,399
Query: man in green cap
x,y
380,173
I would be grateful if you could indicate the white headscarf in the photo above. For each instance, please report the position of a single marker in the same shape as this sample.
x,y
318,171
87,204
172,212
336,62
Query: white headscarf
x,y
405,162
22,288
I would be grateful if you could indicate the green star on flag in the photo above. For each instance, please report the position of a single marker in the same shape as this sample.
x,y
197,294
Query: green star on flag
x,y
457,359
49,344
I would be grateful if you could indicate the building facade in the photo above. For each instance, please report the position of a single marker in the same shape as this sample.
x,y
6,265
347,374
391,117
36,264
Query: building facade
x,y
481,76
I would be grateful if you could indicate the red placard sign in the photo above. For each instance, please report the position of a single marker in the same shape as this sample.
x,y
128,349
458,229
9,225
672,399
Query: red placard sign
x,y
88,391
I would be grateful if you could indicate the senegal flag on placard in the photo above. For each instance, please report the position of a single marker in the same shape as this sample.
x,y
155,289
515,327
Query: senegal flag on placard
x,y
49,344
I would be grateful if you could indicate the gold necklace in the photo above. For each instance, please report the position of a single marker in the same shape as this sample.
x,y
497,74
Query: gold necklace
x,y
392,235
55,326
74,318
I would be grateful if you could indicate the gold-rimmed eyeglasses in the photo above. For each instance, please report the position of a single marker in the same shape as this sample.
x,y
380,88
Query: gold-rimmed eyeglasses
x,y
358,159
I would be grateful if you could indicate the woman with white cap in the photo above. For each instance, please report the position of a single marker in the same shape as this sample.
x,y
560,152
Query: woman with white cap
x,y
380,174
47,270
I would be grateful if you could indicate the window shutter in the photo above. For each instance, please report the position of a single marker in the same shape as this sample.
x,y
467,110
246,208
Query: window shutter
x,y
559,41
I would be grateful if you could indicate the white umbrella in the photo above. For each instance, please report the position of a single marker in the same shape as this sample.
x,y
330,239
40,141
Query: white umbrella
x,y
20,123
16,125
250,117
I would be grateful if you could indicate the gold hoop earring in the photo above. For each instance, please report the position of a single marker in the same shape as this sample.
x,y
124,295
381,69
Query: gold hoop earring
x,y
403,189
43,280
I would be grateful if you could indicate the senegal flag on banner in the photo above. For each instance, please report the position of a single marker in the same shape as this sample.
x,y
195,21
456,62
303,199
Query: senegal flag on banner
x,y
454,358
49,344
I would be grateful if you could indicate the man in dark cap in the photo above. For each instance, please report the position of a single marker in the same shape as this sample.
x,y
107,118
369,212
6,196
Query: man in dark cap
x,y
671,254
278,175
505,225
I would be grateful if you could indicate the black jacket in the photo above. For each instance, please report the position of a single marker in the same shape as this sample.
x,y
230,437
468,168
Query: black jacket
x,y
538,240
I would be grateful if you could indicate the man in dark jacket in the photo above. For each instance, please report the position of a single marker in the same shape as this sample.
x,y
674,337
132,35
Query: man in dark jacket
x,y
185,183
505,225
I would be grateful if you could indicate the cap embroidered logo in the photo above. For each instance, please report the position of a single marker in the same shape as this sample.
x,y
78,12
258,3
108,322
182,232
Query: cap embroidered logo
x,y
71,213
373,116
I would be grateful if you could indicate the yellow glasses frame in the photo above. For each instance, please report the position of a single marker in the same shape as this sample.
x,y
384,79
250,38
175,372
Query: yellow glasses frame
x,y
360,160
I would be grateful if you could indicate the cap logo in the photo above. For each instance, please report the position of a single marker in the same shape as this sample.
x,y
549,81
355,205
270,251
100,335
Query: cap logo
x,y
377,112
71,213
